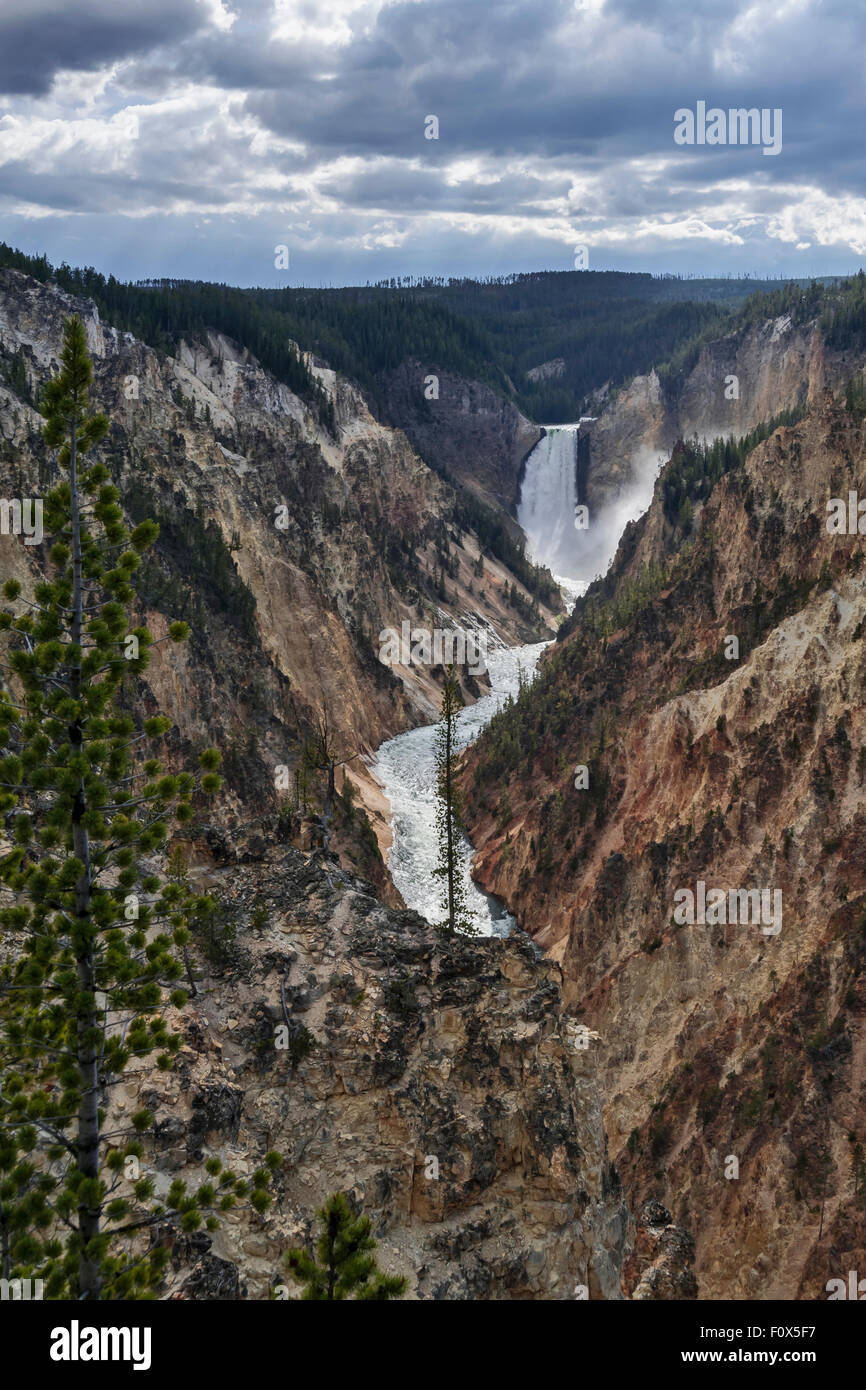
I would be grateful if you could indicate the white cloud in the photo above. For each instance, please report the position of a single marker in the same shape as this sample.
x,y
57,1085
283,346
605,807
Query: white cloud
x,y
219,14
324,22
825,221
47,144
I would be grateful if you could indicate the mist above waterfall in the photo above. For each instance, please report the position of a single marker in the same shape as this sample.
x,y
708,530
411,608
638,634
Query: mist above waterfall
x,y
607,525
546,510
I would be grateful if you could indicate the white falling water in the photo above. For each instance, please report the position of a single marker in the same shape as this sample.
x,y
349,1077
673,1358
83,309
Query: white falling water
x,y
548,498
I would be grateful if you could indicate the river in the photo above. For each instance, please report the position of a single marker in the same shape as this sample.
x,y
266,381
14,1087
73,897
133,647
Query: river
x,y
406,768
405,765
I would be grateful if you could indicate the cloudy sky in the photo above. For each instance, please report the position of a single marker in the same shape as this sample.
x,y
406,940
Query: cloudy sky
x,y
193,137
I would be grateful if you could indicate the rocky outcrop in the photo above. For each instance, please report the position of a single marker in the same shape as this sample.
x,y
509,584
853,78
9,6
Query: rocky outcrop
x,y
738,382
469,430
547,371
437,1086
659,1263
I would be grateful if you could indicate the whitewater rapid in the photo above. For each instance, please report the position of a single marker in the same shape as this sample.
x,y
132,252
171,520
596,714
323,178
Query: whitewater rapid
x,y
406,768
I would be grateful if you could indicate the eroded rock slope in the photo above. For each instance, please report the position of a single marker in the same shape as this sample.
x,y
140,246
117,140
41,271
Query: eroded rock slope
x,y
435,1082
732,1059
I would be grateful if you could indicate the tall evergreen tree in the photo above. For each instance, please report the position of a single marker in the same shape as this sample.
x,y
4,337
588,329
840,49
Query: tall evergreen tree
x,y
346,1265
448,827
90,931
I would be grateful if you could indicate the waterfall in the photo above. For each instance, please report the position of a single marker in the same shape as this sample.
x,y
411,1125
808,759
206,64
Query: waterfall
x,y
547,501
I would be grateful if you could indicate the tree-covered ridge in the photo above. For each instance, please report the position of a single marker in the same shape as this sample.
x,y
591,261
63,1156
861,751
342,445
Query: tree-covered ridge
x,y
365,334
803,301
696,467
839,305
843,315
606,326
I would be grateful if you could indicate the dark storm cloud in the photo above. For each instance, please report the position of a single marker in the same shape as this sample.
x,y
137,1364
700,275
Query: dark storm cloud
x,y
39,38
503,82
484,70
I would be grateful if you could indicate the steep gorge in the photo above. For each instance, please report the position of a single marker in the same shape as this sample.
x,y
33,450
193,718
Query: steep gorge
x,y
704,1043
435,1081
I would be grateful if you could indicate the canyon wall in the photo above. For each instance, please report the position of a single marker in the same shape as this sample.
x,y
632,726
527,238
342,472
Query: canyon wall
x,y
731,1059
738,382
470,431
285,617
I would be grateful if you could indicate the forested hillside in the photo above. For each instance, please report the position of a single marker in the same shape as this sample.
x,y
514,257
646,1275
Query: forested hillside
x,y
605,326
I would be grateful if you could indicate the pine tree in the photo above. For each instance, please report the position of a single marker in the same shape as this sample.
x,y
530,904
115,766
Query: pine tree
x,y
322,753
91,932
858,1170
346,1265
448,812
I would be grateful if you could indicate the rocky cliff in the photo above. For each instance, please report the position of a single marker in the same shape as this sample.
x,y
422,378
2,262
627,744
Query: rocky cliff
x,y
467,430
437,1084
655,753
737,382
